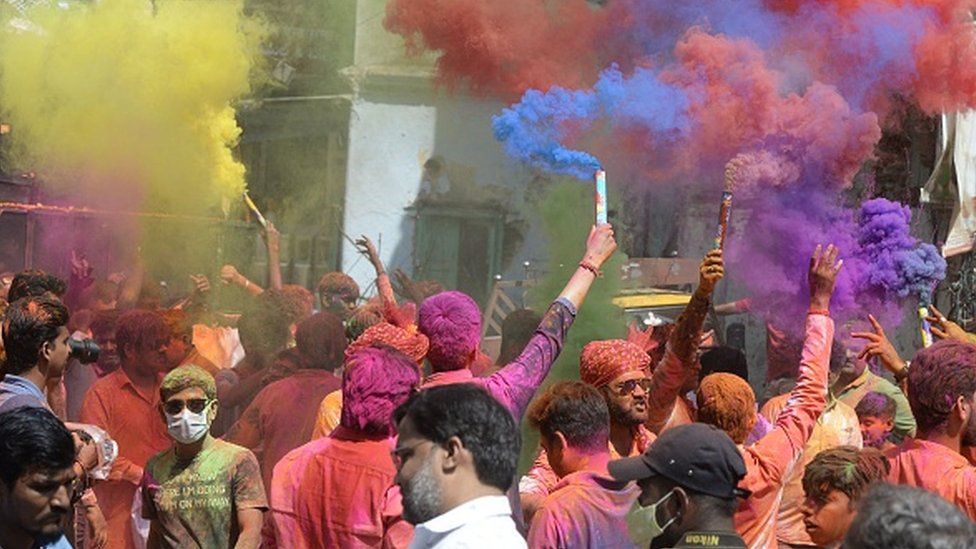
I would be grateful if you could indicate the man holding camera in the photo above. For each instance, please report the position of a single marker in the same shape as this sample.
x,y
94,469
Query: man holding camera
x,y
35,338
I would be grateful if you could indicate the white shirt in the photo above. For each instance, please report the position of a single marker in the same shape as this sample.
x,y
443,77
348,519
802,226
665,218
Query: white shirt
x,y
481,522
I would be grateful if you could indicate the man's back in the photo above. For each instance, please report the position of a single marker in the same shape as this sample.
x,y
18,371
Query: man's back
x,y
330,492
282,416
584,510
935,468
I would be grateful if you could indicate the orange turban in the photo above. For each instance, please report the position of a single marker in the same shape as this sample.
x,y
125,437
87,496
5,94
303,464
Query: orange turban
x,y
603,361
408,341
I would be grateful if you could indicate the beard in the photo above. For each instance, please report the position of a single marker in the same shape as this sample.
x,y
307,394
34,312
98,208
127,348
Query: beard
x,y
624,416
969,435
421,496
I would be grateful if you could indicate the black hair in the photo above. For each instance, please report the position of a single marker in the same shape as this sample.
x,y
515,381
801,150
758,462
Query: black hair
x,y
904,517
875,404
576,410
32,439
726,360
34,282
263,327
483,425
28,324
321,340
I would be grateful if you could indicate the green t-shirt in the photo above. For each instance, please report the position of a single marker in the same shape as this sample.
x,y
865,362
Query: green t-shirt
x,y
194,503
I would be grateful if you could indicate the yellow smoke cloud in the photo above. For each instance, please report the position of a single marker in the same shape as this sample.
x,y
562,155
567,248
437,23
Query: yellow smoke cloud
x,y
123,101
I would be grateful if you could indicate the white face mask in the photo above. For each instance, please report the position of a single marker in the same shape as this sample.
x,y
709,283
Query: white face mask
x,y
651,511
187,427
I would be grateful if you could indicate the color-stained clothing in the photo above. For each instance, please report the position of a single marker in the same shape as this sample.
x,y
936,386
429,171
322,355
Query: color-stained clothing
x,y
334,492
541,480
837,426
769,460
481,522
18,392
194,503
197,359
281,416
515,384
868,382
131,417
584,510
330,414
78,379
935,468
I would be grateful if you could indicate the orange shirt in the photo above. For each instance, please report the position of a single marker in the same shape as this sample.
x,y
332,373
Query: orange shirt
x,y
935,468
132,418
334,492
329,416
838,426
770,459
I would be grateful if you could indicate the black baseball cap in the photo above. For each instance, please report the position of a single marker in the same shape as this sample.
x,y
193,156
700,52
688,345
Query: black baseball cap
x,y
697,456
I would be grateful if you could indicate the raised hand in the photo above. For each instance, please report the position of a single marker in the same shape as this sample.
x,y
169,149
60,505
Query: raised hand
x,y
712,270
824,266
943,328
80,268
600,245
201,284
880,347
366,247
229,274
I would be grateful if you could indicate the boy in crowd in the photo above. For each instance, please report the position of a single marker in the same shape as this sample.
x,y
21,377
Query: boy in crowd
x,y
876,414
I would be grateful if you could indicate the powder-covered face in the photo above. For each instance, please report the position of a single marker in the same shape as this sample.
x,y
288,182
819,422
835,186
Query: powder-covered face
x,y
627,398
875,430
828,519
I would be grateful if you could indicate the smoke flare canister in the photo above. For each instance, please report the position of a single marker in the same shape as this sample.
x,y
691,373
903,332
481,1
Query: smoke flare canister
x,y
254,208
600,197
926,328
724,215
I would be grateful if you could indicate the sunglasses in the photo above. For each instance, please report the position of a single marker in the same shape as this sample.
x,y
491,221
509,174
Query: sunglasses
x,y
175,406
627,387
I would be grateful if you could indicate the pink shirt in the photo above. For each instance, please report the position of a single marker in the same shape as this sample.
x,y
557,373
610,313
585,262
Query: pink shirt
x,y
584,510
281,417
769,460
335,492
935,468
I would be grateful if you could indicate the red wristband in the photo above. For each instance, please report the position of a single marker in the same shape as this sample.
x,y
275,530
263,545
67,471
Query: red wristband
x,y
824,312
589,267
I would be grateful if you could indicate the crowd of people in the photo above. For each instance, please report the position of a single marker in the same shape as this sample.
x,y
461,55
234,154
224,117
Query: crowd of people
x,y
349,422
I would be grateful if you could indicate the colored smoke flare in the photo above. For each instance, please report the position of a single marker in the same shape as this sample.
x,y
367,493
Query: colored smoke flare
x,y
254,208
724,216
925,328
600,198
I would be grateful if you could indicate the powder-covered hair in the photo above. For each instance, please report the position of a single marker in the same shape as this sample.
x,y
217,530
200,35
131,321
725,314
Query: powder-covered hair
x,y
366,315
576,410
185,377
940,375
321,340
142,330
35,282
295,302
376,381
845,468
727,402
875,404
28,325
452,322
338,284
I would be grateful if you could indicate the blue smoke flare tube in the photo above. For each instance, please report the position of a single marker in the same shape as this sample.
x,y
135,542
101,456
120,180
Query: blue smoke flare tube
x,y
600,198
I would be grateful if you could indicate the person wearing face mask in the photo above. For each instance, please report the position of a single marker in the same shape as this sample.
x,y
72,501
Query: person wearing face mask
x,y
689,481
202,491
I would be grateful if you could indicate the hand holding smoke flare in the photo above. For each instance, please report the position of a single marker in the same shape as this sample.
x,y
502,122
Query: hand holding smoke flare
x,y
254,208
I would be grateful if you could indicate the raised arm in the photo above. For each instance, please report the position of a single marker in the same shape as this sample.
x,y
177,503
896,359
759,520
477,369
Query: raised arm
x,y
880,347
383,285
680,362
777,450
517,382
273,239
230,275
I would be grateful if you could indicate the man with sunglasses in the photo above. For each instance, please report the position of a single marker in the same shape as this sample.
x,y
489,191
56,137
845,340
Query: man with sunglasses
x,y
202,491
640,405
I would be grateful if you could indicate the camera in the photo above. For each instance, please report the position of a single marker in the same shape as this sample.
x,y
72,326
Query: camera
x,y
85,351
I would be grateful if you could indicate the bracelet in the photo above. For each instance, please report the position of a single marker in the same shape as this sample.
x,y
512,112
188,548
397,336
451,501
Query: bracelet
x,y
824,312
81,465
590,267
902,374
